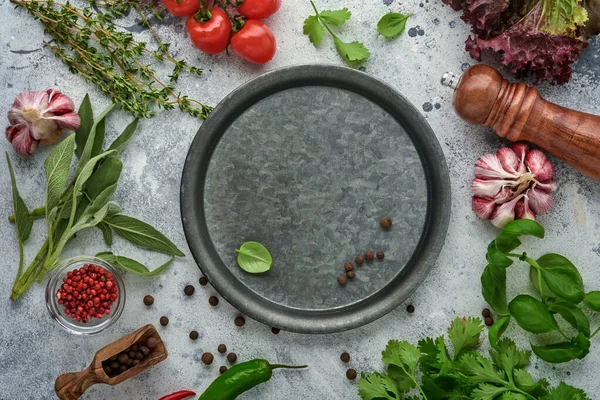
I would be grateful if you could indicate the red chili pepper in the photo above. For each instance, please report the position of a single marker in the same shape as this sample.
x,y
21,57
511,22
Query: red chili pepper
x,y
178,395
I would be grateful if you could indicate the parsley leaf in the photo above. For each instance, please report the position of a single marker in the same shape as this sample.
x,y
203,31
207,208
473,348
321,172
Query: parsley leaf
x,y
464,334
353,51
314,29
392,25
377,386
337,17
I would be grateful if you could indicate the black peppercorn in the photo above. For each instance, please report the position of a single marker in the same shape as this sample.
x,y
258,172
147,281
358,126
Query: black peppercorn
x,y
145,350
139,356
152,342
123,368
369,255
231,357
222,349
222,369
135,362
115,365
358,260
213,301
275,331
239,321
342,280
189,290
131,354
164,321
107,370
410,309
123,357
489,321
348,267
386,223
207,358
350,274
486,312
193,335
345,357
351,374
148,300
380,255
203,281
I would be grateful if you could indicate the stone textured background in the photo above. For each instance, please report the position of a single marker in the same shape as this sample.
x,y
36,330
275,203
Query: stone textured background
x,y
34,350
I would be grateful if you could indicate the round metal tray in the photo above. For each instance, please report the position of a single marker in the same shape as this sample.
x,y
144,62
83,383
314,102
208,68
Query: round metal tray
x,y
306,160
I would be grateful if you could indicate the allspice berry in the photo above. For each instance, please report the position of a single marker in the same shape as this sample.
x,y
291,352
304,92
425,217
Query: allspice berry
x,y
239,321
275,331
348,267
342,280
351,374
193,335
380,255
369,256
485,313
232,357
386,223
345,357
189,290
222,349
213,301
489,321
350,274
164,321
148,300
222,369
207,358
203,281
358,260
410,309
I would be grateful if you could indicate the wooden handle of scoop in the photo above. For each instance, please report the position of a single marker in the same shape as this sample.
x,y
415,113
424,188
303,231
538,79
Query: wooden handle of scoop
x,y
72,385
518,113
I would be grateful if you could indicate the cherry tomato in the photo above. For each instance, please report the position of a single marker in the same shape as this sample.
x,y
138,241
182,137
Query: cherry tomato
x,y
183,8
259,9
211,36
255,42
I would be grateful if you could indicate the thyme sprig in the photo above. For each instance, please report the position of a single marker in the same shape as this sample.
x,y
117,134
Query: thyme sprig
x,y
89,43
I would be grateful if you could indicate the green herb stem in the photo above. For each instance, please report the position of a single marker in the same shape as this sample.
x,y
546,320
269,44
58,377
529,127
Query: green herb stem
x,y
595,332
22,284
323,22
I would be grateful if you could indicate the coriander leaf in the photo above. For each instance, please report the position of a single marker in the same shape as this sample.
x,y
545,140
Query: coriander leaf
x,y
254,258
392,25
57,166
573,315
486,391
592,300
566,392
123,139
429,363
532,315
404,381
377,386
507,350
497,258
402,358
525,382
435,391
86,116
142,234
314,29
335,17
479,369
464,334
353,51
513,396
497,330
493,284
562,277
558,352
106,233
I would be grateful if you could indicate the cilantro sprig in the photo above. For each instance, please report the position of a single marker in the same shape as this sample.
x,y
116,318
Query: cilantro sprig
x,y
316,25
438,373
560,295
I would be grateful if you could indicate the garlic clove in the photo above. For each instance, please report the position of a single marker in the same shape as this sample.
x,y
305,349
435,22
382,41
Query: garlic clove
x,y
539,165
505,213
59,103
489,167
520,149
483,208
539,200
487,187
549,186
70,121
21,140
522,209
508,159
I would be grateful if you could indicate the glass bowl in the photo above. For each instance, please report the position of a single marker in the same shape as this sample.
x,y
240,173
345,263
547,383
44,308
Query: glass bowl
x,y
57,311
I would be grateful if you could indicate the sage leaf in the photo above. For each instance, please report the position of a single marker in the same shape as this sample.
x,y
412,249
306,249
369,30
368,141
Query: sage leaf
x,y
86,153
497,330
532,315
23,221
121,142
131,265
58,168
106,233
493,282
592,300
573,315
254,258
100,132
86,115
101,200
142,234
105,175
562,277
393,24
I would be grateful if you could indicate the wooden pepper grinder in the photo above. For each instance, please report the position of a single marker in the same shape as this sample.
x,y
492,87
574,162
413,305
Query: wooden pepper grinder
x,y
518,113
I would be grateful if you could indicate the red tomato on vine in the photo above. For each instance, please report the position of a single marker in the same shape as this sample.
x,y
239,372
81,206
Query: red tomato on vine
x,y
255,42
259,9
210,36
182,8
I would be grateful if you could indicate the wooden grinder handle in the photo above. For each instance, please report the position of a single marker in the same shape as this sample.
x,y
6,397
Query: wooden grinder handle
x,y
518,113
72,385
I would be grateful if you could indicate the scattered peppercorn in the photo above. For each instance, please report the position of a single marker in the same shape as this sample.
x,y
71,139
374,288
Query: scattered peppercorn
x,y
486,312
222,349
148,300
345,357
369,255
222,369
489,321
213,301
193,335
358,260
342,280
386,223
189,290
207,358
350,274
351,374
232,357
203,281
275,331
380,255
239,321
348,267
164,321
410,309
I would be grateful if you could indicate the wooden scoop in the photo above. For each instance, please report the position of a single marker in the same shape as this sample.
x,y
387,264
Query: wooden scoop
x,y
517,112
72,385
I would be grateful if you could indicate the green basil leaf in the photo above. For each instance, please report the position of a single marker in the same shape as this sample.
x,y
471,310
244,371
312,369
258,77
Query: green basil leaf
x,y
106,233
532,315
58,167
99,137
336,17
493,283
498,258
558,352
592,300
132,265
393,24
23,221
573,315
507,239
86,115
562,277
497,330
313,28
533,278
254,258
583,342
121,142
142,234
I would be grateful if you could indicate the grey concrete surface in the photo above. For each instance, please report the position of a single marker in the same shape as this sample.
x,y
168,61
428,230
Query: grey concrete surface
x,y
34,350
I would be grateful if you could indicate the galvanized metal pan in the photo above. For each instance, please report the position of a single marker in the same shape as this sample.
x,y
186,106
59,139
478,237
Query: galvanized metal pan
x,y
306,160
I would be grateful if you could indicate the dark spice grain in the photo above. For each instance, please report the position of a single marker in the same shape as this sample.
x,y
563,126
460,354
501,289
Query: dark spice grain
x,y
213,301
275,331
232,357
345,357
189,290
222,369
369,255
222,349
193,335
485,313
164,321
386,223
380,255
489,321
239,321
351,374
350,274
203,281
410,309
342,280
207,358
348,267
358,260
148,300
